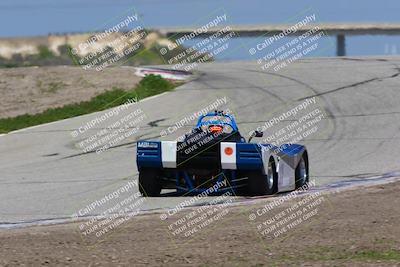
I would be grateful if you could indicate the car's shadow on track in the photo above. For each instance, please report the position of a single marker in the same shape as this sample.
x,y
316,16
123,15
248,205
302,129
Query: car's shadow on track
x,y
186,194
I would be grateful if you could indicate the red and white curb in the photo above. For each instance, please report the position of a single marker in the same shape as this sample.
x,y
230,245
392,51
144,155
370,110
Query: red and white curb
x,y
165,73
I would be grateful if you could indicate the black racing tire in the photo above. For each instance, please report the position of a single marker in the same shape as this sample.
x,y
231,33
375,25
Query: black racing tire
x,y
302,175
260,184
242,189
149,183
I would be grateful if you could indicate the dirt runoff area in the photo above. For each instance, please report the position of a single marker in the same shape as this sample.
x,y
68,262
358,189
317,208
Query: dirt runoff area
x,y
34,89
357,227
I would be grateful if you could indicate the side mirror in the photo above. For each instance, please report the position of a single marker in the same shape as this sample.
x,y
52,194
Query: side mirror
x,y
255,134
258,134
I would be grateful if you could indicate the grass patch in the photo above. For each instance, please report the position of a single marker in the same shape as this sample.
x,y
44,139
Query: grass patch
x,y
377,255
148,86
44,52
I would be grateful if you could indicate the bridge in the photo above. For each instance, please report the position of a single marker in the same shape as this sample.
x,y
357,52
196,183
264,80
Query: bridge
x,y
336,29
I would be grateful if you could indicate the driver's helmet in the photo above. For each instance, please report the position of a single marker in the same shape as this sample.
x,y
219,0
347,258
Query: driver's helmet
x,y
216,129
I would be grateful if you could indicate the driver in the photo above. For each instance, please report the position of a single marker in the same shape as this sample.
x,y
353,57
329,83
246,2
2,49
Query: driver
x,y
216,129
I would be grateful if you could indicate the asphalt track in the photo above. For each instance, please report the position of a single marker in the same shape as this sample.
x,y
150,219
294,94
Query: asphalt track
x,y
44,174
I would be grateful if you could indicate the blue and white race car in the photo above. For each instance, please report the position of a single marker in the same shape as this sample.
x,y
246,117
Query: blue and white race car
x,y
215,158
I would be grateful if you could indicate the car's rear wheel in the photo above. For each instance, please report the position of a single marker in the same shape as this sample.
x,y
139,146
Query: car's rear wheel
x,y
263,184
149,183
301,172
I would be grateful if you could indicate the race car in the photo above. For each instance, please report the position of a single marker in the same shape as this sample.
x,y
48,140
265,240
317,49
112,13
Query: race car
x,y
215,158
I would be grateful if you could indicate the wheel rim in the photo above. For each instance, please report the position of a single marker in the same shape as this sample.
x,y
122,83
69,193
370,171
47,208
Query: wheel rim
x,y
303,171
270,176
